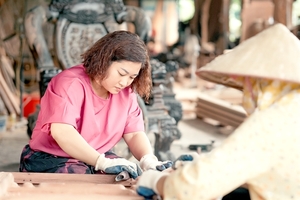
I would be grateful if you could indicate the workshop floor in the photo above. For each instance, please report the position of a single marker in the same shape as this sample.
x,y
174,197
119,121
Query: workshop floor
x,y
194,131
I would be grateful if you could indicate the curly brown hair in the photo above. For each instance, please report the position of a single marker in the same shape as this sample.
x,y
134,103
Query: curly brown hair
x,y
118,46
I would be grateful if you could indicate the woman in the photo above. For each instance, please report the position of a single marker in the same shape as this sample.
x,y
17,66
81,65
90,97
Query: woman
x,y
263,152
88,108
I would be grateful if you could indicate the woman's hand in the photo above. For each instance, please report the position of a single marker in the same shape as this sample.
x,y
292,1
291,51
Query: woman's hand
x,y
117,165
185,158
150,161
150,183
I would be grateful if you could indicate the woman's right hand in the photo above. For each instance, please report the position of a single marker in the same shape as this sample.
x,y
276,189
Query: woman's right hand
x,y
184,158
117,165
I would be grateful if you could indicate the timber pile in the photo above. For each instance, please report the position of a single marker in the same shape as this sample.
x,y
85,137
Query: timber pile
x,y
8,91
37,186
223,107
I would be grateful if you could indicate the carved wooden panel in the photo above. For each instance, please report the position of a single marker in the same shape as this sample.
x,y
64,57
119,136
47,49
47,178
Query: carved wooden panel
x,y
72,39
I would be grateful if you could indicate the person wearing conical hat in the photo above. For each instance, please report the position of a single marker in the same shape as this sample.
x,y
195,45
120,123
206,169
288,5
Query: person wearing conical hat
x,y
264,151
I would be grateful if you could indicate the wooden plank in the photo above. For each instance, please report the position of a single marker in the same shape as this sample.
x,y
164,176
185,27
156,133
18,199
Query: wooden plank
x,y
6,73
37,186
49,196
10,95
6,63
73,188
22,177
6,101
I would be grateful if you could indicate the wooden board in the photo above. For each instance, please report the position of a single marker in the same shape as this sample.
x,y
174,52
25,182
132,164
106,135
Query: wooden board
x,y
37,186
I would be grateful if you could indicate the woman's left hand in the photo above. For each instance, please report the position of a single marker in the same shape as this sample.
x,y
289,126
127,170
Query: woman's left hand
x,y
150,161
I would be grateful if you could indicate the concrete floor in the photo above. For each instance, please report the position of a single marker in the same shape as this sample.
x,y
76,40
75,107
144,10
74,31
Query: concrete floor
x,y
194,131
11,144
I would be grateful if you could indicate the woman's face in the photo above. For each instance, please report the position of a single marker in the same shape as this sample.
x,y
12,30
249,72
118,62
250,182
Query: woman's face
x,y
120,75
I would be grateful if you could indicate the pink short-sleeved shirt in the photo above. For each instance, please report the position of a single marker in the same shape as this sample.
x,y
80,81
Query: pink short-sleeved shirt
x,y
70,99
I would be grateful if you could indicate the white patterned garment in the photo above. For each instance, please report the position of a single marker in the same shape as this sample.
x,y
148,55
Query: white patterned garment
x,y
263,152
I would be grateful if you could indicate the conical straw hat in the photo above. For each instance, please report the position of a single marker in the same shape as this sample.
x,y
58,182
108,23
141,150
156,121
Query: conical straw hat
x,y
273,53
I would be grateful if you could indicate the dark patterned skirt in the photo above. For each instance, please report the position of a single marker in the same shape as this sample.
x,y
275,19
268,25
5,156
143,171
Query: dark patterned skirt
x,y
36,161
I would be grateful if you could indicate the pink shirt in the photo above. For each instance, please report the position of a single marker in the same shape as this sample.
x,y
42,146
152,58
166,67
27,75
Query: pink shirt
x,y
101,122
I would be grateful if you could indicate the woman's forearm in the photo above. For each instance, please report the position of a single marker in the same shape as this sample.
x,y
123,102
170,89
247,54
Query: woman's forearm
x,y
138,144
73,144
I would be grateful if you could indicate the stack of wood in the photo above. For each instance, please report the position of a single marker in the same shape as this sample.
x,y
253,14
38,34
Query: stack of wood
x,y
9,95
221,105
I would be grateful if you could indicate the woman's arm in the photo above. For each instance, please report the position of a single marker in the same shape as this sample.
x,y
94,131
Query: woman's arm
x,y
68,138
244,155
138,143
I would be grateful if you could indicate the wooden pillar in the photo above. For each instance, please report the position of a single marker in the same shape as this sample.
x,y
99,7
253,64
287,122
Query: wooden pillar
x,y
283,12
165,25
225,23
195,23
256,16
215,25
218,24
204,22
